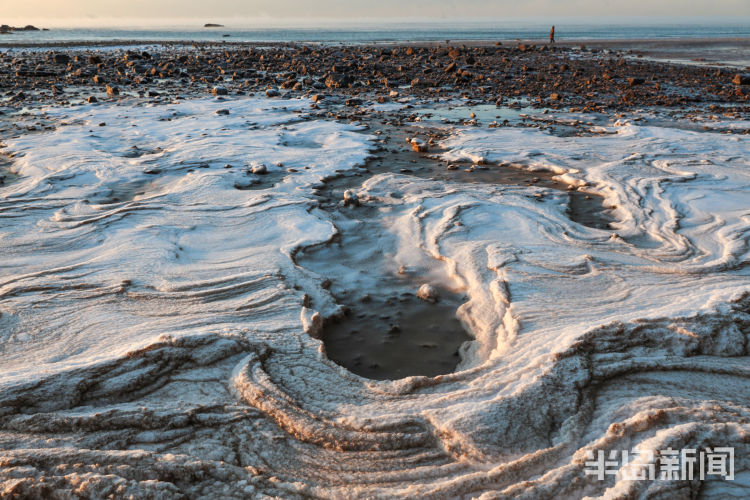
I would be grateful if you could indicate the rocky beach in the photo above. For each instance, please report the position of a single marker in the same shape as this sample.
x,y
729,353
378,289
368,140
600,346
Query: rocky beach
x,y
574,78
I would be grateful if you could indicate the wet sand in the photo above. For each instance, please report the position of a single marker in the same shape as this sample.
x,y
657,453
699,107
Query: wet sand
x,y
734,52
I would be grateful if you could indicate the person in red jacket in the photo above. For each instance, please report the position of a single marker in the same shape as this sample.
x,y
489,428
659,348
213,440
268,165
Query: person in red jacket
x,y
552,35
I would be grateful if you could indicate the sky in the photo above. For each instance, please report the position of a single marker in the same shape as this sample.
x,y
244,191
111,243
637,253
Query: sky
x,y
131,12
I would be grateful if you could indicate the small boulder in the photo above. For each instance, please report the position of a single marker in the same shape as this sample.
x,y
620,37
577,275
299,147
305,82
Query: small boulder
x,y
418,145
741,79
272,93
428,293
259,169
219,91
350,198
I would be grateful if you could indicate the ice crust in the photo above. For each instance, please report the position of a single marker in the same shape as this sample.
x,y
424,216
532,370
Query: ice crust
x,y
163,344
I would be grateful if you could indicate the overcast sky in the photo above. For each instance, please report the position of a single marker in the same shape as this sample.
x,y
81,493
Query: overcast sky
x,y
58,12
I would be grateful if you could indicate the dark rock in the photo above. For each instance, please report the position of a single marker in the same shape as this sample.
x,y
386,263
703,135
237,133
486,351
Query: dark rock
x,y
35,74
219,91
633,81
289,84
418,82
113,90
337,81
61,58
740,79
351,199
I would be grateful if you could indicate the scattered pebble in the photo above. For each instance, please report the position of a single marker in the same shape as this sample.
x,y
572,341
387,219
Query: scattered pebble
x,y
259,169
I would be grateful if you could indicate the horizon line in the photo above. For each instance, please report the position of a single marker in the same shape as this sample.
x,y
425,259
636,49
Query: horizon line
x,y
239,22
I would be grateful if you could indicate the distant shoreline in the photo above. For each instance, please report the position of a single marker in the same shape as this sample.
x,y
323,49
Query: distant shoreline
x,y
589,42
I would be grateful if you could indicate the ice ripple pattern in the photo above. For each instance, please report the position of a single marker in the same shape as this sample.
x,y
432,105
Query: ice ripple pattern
x,y
153,324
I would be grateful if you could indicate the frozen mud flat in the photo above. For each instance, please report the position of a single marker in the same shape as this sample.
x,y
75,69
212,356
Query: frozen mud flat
x,y
387,332
161,344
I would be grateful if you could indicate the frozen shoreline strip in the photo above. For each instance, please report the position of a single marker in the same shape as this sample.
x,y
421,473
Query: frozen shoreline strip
x,y
177,325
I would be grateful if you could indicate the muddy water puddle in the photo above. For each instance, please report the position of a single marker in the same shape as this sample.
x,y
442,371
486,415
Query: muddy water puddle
x,y
387,336
388,332
584,207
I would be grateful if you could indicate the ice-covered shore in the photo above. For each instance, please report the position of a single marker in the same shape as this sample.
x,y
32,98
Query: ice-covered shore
x,y
155,326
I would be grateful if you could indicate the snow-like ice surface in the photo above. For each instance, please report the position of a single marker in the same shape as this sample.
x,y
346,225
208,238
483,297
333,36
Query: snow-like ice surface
x,y
157,334
181,251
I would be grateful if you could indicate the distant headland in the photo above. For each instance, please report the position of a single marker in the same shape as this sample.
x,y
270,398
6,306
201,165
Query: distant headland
x,y
6,30
212,25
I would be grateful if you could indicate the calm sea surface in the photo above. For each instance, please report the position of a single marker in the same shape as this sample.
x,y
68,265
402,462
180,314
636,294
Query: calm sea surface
x,y
385,32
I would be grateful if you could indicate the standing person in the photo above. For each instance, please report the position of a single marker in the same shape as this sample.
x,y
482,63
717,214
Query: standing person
x,y
552,35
